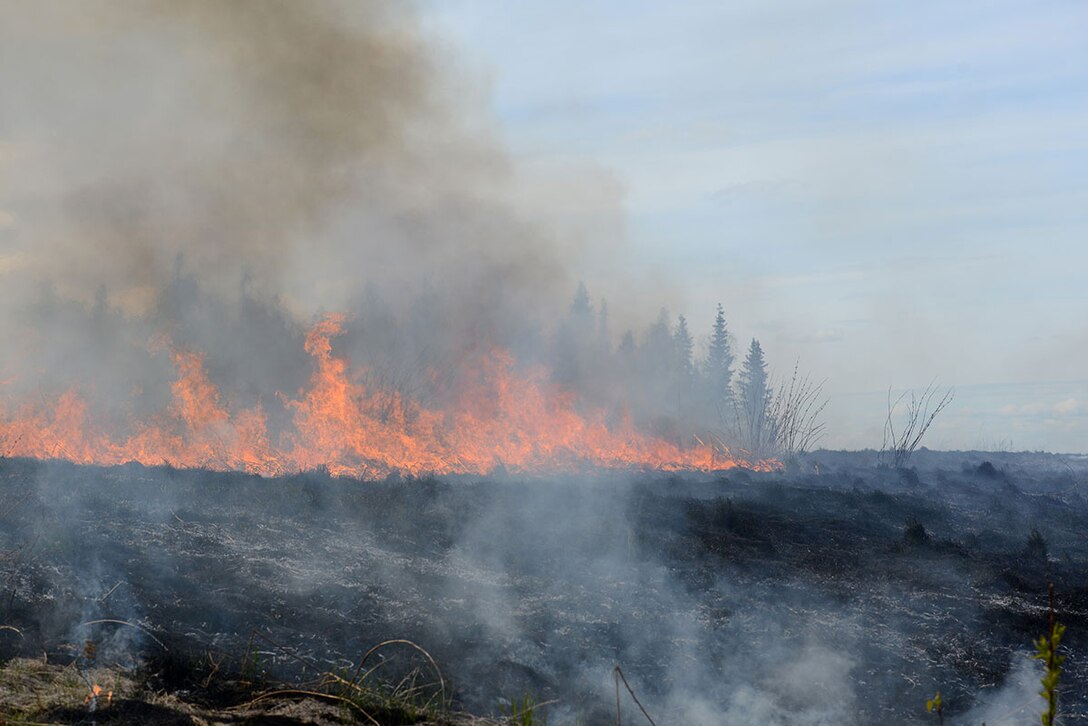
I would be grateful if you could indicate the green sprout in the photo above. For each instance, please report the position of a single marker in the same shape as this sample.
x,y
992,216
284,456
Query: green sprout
x,y
1046,650
936,705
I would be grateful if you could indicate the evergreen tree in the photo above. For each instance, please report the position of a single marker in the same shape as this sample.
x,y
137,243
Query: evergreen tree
x,y
581,307
719,369
604,335
655,368
627,350
754,402
658,350
575,342
684,371
684,345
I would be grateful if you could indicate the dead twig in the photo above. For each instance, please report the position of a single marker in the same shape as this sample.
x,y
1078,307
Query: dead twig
x,y
288,692
215,669
410,644
617,675
13,629
110,592
142,629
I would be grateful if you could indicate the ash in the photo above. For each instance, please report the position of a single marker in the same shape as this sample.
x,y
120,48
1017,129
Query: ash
x,y
835,591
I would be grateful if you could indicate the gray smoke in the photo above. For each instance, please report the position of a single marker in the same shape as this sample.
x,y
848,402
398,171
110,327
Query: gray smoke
x,y
307,148
218,174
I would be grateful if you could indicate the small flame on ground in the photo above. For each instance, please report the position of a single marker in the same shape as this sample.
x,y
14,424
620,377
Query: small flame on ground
x,y
93,697
503,418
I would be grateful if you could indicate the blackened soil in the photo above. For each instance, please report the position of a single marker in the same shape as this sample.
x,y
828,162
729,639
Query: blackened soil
x,y
835,591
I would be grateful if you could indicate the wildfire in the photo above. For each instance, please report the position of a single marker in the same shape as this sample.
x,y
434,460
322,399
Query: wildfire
x,y
501,418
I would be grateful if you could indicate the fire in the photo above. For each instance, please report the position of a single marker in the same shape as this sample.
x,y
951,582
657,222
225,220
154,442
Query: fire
x,y
501,418
96,694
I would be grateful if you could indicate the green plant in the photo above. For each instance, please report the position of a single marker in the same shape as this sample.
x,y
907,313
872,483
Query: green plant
x,y
251,662
523,712
1046,650
935,705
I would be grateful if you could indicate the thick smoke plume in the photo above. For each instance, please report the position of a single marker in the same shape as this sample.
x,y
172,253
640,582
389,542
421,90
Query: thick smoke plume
x,y
308,148
214,177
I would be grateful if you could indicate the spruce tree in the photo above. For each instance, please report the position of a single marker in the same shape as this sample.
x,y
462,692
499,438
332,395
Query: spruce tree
x,y
581,307
719,369
604,334
684,346
754,402
657,368
684,371
575,342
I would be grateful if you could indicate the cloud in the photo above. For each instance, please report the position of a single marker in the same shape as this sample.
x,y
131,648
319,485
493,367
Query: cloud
x,y
1068,407
1065,408
757,189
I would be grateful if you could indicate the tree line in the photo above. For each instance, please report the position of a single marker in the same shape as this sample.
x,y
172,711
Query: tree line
x,y
659,378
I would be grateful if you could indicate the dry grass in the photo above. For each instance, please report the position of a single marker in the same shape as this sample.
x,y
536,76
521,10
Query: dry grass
x,y
35,691
30,688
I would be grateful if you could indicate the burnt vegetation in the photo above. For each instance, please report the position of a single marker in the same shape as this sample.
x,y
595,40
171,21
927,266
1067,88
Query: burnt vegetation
x,y
227,593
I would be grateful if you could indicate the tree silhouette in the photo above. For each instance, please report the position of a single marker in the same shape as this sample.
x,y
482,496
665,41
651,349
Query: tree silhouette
x,y
575,341
719,371
754,403
604,334
684,345
684,371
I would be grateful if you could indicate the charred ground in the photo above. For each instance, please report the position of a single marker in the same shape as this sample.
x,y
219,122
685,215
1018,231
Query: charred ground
x,y
833,592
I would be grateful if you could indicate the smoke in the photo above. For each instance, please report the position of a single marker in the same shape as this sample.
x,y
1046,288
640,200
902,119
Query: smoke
x,y
306,148
213,177
1016,701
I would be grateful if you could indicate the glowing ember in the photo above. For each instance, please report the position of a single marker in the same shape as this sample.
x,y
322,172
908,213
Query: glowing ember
x,y
502,418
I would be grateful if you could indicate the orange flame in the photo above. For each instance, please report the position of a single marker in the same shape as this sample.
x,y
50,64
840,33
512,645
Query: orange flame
x,y
502,418
96,693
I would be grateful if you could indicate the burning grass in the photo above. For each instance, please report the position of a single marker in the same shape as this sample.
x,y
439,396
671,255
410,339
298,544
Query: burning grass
x,y
497,416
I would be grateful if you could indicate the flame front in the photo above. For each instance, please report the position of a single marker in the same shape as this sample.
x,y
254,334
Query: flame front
x,y
502,418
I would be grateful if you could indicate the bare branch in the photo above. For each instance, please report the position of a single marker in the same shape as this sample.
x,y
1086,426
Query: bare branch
x,y
796,413
918,416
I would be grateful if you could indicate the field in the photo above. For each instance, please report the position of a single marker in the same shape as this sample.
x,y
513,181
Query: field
x,y
834,591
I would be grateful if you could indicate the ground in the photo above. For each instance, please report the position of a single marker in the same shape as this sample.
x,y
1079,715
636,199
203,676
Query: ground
x,y
833,591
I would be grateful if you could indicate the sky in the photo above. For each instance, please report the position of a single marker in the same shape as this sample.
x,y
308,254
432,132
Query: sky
x,y
892,194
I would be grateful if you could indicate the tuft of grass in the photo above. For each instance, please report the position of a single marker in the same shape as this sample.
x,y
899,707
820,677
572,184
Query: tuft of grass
x,y
32,687
524,712
176,687
417,695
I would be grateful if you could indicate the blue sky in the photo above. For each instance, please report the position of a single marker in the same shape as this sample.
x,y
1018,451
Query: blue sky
x,y
891,192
